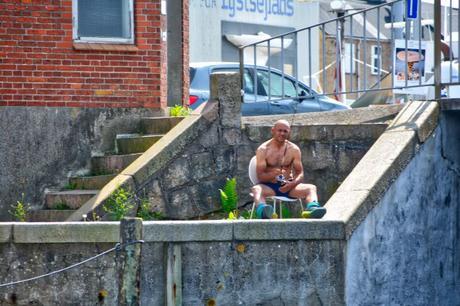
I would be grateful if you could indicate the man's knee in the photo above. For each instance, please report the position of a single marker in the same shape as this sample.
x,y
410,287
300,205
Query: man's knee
x,y
256,189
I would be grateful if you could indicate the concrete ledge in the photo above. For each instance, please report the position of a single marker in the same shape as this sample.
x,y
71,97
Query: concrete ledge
x,y
375,114
175,231
382,164
170,231
322,132
65,232
289,229
6,230
418,116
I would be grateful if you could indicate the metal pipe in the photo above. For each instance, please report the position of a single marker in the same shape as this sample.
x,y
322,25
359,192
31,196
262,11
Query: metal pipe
x,y
365,49
241,56
309,57
324,58
379,58
437,49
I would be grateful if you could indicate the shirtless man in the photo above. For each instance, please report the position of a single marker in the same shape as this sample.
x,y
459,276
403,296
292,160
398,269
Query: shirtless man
x,y
280,172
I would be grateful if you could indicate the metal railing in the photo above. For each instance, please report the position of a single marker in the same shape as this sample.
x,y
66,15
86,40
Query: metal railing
x,y
370,50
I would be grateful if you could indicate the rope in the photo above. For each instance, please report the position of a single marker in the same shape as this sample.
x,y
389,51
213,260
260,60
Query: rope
x,y
117,247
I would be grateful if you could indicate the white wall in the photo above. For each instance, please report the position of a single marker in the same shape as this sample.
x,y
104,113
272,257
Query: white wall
x,y
206,17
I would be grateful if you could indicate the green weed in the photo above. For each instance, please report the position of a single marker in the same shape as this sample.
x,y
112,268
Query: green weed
x,y
20,209
146,214
118,204
179,111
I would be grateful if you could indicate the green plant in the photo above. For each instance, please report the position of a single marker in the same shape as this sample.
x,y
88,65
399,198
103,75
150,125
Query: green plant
x,y
229,197
70,186
61,206
118,204
179,111
20,209
146,214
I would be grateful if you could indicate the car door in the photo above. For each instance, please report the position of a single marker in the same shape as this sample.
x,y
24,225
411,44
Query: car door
x,y
308,100
253,105
279,91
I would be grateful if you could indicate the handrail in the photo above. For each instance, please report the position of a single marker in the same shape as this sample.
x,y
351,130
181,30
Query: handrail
x,y
364,33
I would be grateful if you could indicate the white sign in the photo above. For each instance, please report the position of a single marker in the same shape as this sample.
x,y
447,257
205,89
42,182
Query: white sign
x,y
411,65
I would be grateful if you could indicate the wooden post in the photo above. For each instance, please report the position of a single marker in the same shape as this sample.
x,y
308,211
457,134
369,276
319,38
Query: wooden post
x,y
173,275
129,261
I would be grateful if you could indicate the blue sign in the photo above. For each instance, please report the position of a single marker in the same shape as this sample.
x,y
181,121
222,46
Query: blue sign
x,y
412,8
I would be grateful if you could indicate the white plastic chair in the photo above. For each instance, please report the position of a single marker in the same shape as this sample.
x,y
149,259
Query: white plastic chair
x,y
255,180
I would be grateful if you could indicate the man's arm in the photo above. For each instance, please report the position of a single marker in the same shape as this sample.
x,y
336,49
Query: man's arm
x,y
264,173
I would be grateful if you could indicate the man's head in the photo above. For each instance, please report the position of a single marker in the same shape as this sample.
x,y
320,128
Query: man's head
x,y
281,131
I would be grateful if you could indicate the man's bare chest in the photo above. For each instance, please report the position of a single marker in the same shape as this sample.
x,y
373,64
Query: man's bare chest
x,y
278,158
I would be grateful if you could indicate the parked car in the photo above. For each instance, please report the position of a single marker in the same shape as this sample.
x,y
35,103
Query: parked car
x,y
276,93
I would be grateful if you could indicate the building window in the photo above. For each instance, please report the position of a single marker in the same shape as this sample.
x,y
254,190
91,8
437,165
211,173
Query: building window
x,y
375,59
349,58
109,21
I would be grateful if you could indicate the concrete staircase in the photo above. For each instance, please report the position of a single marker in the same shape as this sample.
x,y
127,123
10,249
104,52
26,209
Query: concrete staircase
x,y
60,204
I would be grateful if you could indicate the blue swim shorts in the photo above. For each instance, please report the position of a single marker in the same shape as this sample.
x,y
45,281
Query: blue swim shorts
x,y
276,188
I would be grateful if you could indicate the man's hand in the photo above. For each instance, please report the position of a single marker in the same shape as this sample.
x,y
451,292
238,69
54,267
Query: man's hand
x,y
288,186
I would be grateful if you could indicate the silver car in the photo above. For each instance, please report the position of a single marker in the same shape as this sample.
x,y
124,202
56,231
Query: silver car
x,y
276,93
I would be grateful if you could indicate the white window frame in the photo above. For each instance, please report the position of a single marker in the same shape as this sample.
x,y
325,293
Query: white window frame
x,y
375,59
109,40
349,69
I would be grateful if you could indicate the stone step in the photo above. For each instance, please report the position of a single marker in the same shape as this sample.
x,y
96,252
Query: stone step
x,y
90,182
158,125
69,199
49,215
111,164
135,143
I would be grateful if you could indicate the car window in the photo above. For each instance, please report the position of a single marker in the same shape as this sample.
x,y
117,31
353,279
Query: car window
x,y
248,81
275,84
192,72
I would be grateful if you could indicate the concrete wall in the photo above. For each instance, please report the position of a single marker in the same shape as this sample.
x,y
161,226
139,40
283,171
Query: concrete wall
x,y
407,248
40,147
261,262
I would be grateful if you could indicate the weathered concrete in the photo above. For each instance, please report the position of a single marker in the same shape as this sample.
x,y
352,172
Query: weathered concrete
x,y
56,232
86,285
40,147
229,269
407,250
158,125
390,154
6,230
129,261
73,199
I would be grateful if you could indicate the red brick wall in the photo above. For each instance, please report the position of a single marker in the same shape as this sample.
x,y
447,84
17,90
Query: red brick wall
x,y
41,66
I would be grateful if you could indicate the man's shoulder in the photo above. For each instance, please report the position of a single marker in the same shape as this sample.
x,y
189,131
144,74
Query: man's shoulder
x,y
264,146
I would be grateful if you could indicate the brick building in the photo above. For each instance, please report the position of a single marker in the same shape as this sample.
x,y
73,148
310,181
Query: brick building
x,y
80,53
74,74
